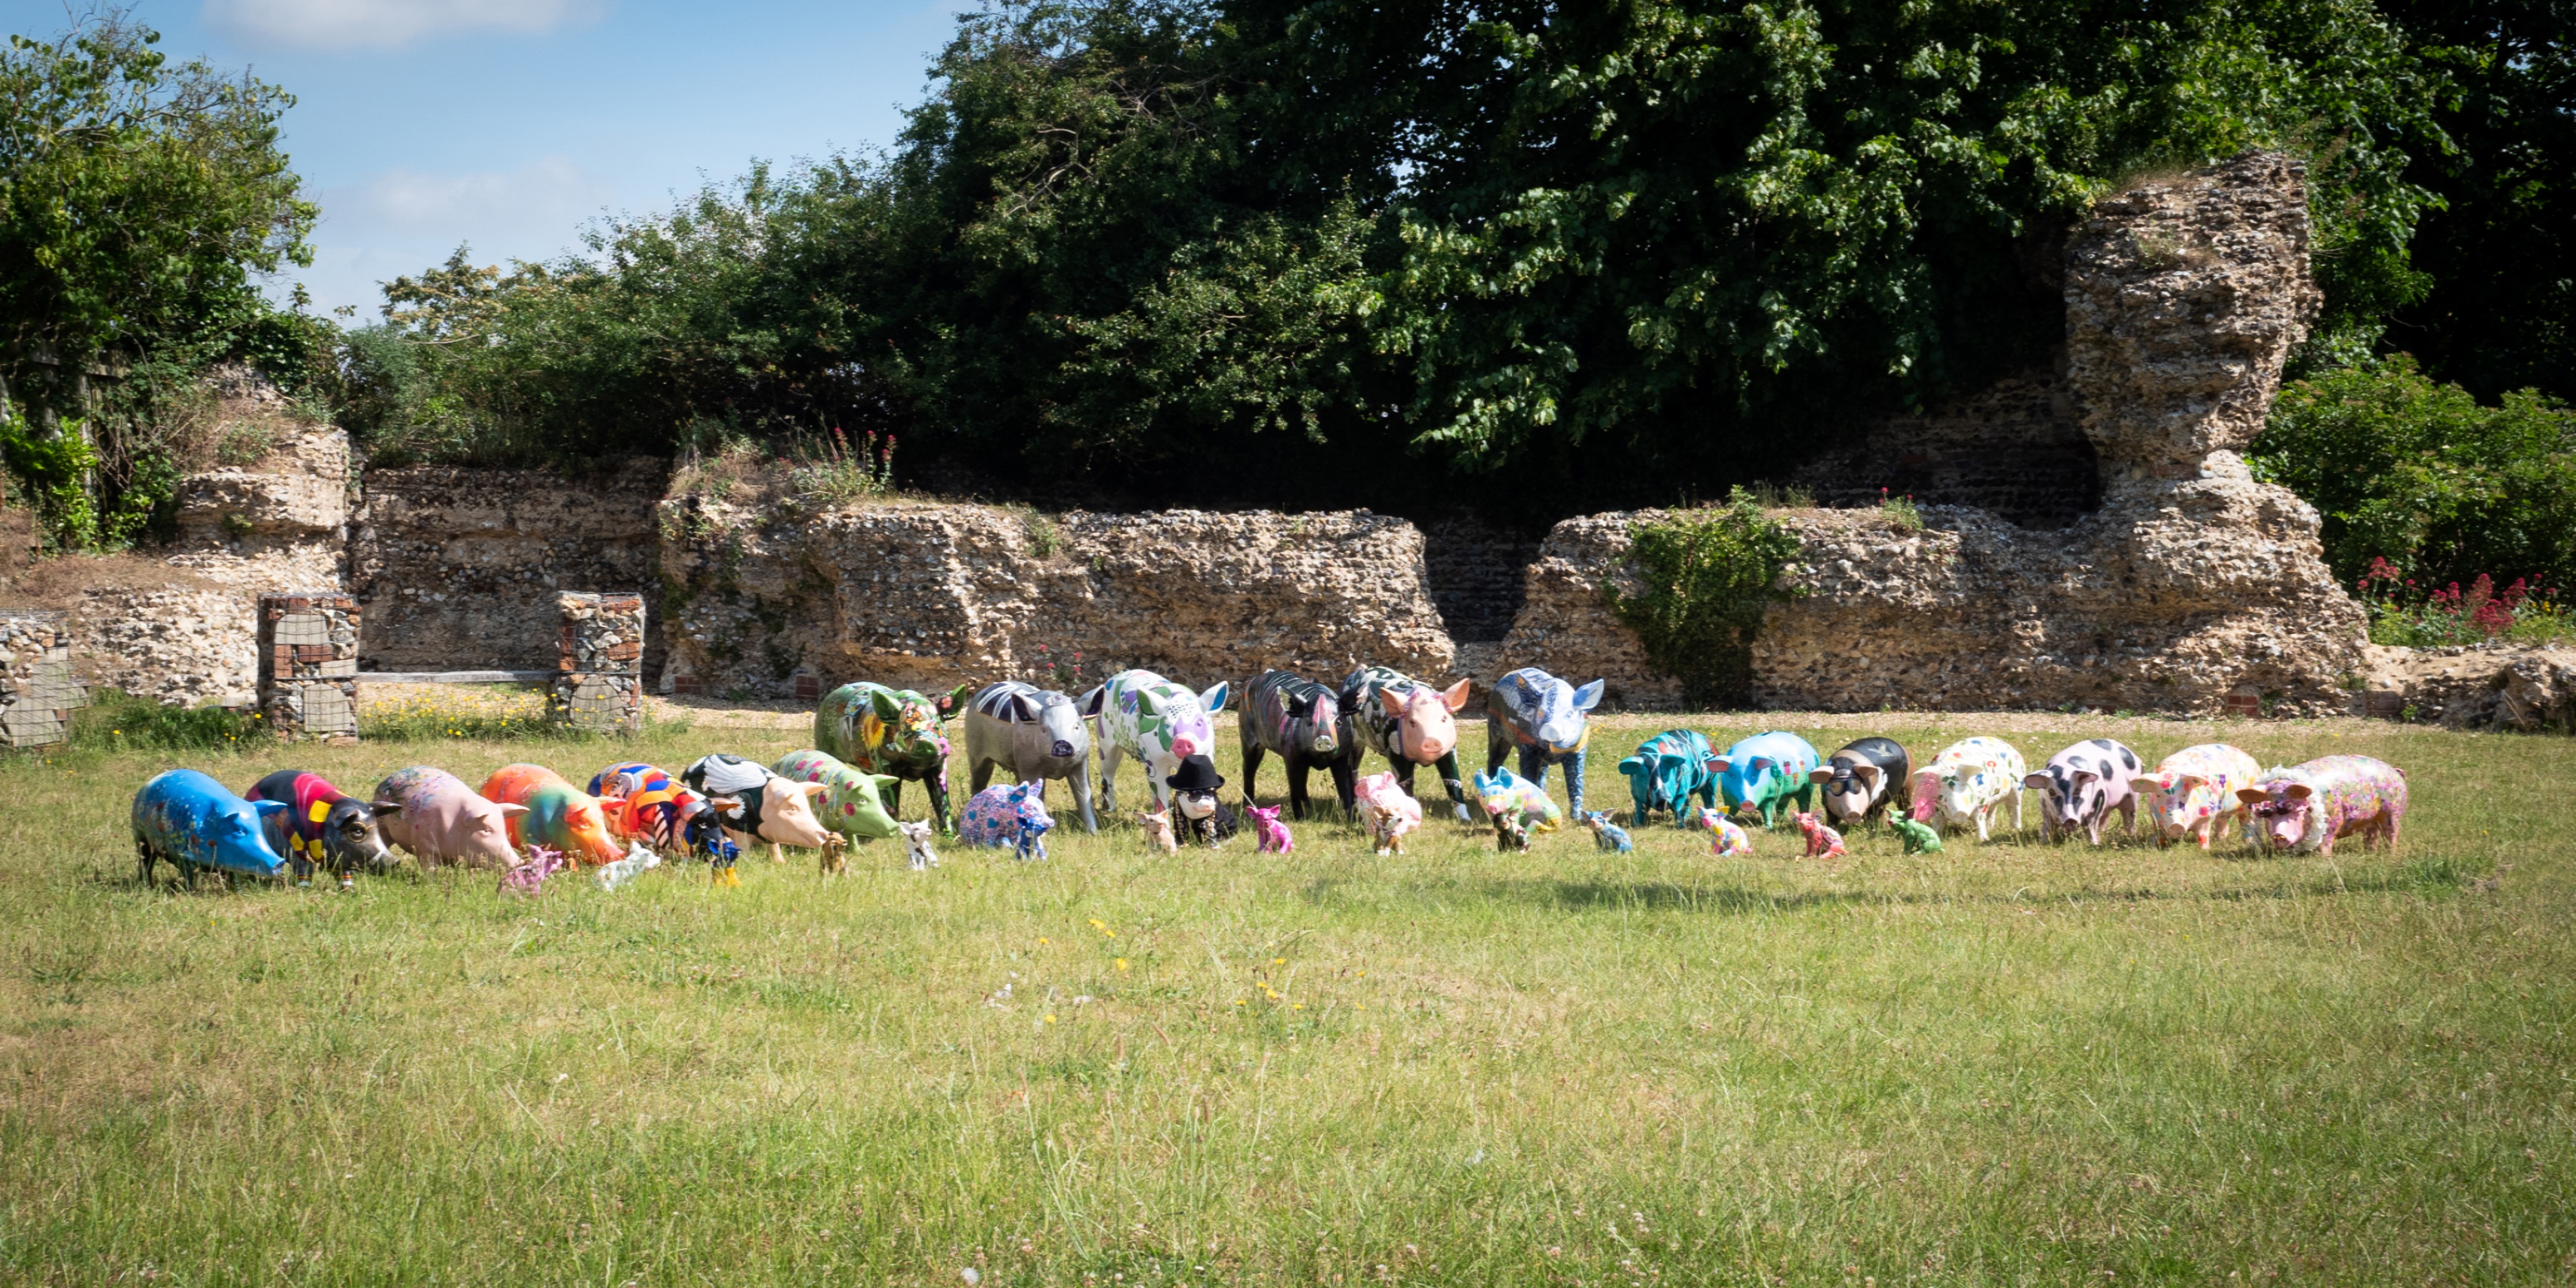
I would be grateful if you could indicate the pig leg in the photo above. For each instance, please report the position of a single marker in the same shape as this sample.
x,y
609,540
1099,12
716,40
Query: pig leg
x,y
1498,746
1252,755
1346,787
1985,818
937,785
1533,762
1448,768
2016,813
143,863
1574,780
982,775
1081,783
891,792
1296,767
1110,755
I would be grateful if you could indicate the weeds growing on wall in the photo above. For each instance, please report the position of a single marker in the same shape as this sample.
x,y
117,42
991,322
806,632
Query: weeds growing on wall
x,y
1708,577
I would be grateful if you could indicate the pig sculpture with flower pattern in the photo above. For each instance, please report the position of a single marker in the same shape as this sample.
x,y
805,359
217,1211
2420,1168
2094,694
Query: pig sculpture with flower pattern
x,y
2194,790
1968,783
894,732
1141,714
2306,808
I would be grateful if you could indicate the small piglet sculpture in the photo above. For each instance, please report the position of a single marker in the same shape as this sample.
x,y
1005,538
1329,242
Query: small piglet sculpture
x,y
1547,721
2082,785
639,859
444,821
1388,809
1765,772
194,822
1035,733
2194,788
1607,837
1517,806
559,814
1270,836
2306,808
1726,838
1302,721
1013,817
323,827
1158,830
1863,778
1967,783
916,845
1920,838
1822,842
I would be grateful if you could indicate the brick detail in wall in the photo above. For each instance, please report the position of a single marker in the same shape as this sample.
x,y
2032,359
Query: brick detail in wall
x,y
308,665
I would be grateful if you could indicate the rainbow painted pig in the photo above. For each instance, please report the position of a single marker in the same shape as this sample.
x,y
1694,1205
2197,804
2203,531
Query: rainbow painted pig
x,y
560,816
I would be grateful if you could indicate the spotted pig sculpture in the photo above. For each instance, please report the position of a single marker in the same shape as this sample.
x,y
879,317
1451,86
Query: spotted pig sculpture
x,y
851,805
444,821
2082,785
1967,783
1036,734
1726,839
1863,778
194,822
1141,714
1304,723
1546,721
1013,817
2305,809
1766,771
1666,771
2194,788
894,732
1410,723
323,827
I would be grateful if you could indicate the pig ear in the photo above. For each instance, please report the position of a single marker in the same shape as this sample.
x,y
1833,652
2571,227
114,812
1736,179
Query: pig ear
x,y
1867,773
2144,784
1631,765
510,811
1028,710
887,708
2301,791
2188,781
2251,796
1456,695
1090,702
1148,703
385,807
1820,775
1589,696
2035,782
1721,764
1761,763
811,790
954,698
1214,698
1394,705
266,808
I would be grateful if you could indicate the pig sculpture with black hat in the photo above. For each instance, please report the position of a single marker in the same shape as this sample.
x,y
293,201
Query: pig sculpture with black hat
x,y
1196,812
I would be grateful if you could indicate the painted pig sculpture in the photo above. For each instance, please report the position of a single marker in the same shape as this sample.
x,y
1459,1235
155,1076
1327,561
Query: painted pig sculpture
x,y
757,805
1665,771
1013,818
1517,807
1546,721
1304,723
851,805
1036,734
560,815
2194,788
322,826
895,732
1967,783
1766,771
444,821
1141,714
1410,723
194,822
2305,809
1388,810
1862,779
646,806
2082,785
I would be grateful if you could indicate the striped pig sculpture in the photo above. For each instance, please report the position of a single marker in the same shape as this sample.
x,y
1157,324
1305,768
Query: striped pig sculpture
x,y
1303,722
323,827
1035,733
895,732
645,805
2082,785
1665,771
1517,807
1766,771
1141,714
1967,783
1546,721
194,822
2305,809
560,816
1411,724
851,805
2196,787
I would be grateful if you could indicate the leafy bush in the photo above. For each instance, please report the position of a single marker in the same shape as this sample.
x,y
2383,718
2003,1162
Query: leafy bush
x,y
2423,479
1708,576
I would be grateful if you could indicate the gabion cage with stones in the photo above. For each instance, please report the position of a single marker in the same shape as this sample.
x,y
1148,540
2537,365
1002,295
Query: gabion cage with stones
x,y
308,665
38,693
599,664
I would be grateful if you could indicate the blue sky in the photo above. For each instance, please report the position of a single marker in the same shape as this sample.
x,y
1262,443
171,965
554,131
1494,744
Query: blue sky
x,y
510,123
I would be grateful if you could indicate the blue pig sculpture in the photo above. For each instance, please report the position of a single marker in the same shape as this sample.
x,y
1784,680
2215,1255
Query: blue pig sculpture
x,y
193,822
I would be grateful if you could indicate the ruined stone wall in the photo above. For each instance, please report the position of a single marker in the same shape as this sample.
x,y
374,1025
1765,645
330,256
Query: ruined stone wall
x,y
2189,585
458,568
932,596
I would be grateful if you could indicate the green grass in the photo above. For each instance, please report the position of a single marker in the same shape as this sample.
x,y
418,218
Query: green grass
x,y
2003,1064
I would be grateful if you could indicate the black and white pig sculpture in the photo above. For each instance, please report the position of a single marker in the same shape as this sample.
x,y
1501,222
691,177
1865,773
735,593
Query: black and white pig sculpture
x,y
1035,733
1863,778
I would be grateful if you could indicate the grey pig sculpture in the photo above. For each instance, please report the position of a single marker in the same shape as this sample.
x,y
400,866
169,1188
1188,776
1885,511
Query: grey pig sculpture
x,y
1035,733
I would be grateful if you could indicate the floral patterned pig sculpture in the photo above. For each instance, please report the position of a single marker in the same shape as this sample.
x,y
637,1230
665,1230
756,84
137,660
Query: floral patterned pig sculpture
x,y
195,822
2196,787
1862,779
1388,809
1726,839
1015,817
1303,722
323,827
1035,733
1517,806
1410,723
1546,720
851,806
2306,808
2082,785
1666,771
1141,714
1967,783
1766,771
894,732
444,821
645,805
559,815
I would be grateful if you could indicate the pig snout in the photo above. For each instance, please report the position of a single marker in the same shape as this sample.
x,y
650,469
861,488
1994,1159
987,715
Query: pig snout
x,y
1188,745
1060,749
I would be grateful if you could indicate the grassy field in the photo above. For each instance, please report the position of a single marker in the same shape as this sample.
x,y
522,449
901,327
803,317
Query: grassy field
x,y
2004,1064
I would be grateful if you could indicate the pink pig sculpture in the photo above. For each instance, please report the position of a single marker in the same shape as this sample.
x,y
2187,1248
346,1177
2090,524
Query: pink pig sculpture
x,y
1270,836
2304,809
2194,788
1822,842
444,821
1389,810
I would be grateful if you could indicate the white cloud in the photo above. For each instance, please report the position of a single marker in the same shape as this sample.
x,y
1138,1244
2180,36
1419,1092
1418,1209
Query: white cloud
x,y
385,24
404,220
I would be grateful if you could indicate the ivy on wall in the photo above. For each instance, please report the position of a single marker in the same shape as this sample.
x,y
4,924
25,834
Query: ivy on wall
x,y
1708,575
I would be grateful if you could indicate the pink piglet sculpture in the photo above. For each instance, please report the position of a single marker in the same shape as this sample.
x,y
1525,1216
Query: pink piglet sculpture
x,y
1822,842
1270,836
